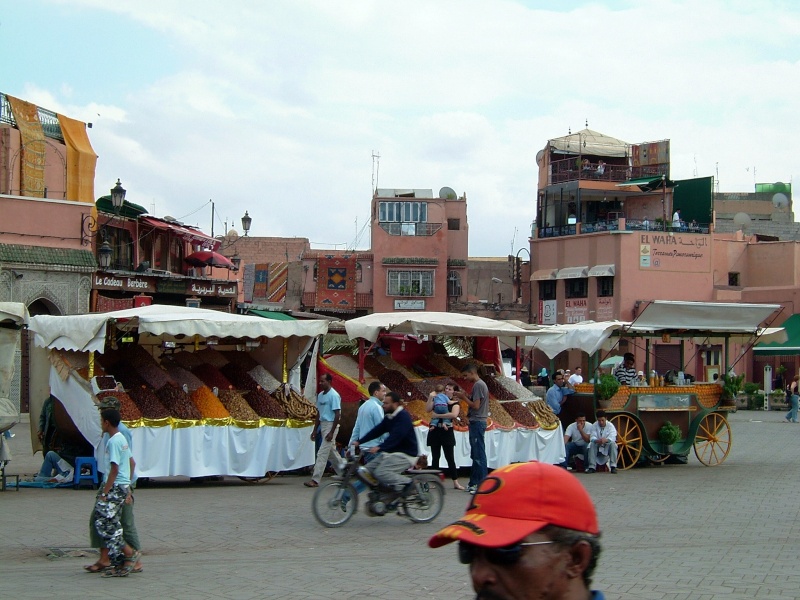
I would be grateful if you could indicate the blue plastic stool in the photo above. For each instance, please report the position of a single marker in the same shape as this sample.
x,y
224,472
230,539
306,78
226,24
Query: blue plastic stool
x,y
80,478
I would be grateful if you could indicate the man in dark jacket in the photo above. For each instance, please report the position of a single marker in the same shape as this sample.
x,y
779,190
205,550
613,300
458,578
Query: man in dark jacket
x,y
399,450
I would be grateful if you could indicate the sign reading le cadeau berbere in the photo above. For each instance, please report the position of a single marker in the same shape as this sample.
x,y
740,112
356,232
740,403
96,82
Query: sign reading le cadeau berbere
x,y
124,284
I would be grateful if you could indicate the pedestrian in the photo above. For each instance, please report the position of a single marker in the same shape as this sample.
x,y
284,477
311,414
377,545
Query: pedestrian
x,y
791,416
478,402
530,531
441,435
329,413
114,491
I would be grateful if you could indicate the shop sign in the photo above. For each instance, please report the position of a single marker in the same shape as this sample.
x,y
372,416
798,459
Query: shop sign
x,y
409,304
547,312
123,284
683,253
605,309
662,401
227,291
165,286
201,289
576,310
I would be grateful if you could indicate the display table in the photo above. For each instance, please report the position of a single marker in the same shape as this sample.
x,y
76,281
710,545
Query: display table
x,y
504,447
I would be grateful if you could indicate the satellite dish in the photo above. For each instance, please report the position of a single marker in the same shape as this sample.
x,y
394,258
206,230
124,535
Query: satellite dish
x,y
232,234
742,219
539,157
169,218
447,193
780,201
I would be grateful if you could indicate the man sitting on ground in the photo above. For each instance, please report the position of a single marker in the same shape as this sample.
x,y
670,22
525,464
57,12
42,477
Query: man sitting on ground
x,y
602,444
576,441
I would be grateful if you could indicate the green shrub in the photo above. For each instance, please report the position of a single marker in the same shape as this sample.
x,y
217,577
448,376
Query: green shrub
x,y
751,388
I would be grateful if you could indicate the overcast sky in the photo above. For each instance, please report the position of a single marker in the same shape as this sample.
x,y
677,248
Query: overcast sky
x,y
277,107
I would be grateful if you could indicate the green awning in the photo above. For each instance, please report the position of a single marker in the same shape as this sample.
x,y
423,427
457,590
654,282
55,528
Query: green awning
x,y
129,209
789,347
647,184
272,314
41,256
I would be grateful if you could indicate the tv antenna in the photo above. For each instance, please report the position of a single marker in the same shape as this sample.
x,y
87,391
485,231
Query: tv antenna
x,y
513,240
376,169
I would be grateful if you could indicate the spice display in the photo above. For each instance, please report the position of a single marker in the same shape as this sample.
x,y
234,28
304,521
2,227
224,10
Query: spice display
x,y
264,404
517,390
373,367
153,375
212,356
105,382
295,405
182,376
127,407
416,408
442,365
127,375
497,390
396,382
264,378
460,363
208,404
393,365
346,365
235,403
464,384
178,403
426,386
241,358
148,403
543,413
213,377
239,377
188,360
500,415
520,414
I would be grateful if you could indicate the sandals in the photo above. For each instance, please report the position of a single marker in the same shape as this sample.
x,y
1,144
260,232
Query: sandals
x,y
126,568
311,483
96,568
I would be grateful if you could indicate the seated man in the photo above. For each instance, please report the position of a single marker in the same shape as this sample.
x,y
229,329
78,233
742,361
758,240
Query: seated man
x,y
399,449
54,464
625,372
602,444
576,440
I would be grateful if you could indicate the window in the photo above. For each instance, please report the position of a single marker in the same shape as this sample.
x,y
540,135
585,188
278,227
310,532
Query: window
x,y
547,290
453,284
403,212
359,273
453,224
409,283
605,287
733,279
576,288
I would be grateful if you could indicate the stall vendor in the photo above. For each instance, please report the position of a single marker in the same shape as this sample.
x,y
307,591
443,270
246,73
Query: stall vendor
x,y
626,371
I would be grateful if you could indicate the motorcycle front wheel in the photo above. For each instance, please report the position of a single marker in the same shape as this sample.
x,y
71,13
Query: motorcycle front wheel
x,y
334,503
427,504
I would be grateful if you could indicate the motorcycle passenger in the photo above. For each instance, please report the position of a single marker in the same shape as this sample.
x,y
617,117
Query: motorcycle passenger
x,y
398,451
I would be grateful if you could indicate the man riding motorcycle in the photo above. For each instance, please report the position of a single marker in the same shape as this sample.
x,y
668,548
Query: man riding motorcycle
x,y
398,451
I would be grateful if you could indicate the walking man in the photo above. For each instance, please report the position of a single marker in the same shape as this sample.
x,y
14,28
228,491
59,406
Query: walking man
x,y
478,403
329,413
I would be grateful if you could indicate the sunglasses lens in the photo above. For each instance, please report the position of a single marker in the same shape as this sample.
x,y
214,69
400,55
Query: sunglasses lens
x,y
502,557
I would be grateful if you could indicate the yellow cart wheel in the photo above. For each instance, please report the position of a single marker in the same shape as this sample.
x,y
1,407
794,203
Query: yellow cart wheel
x,y
629,440
713,440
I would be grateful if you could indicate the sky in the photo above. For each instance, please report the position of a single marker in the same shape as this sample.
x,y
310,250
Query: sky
x,y
277,108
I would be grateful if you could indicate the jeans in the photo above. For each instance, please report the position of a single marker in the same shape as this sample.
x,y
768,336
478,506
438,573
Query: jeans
x,y
477,452
53,463
574,448
327,450
792,414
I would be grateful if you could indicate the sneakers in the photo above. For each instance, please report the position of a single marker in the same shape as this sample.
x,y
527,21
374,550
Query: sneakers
x,y
613,470
472,489
590,470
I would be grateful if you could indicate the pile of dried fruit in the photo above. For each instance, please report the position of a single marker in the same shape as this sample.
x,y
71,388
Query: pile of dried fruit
x,y
213,377
127,407
188,360
393,365
239,377
520,414
264,404
235,403
241,358
500,415
177,402
105,382
497,390
264,378
183,377
443,365
374,368
543,413
295,405
153,375
212,356
416,408
148,403
396,382
208,404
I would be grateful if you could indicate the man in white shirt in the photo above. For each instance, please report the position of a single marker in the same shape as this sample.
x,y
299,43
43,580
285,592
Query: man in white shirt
x,y
576,377
576,440
602,444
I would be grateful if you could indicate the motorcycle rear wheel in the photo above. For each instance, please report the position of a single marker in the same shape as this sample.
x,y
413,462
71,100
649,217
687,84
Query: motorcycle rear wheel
x,y
328,506
425,506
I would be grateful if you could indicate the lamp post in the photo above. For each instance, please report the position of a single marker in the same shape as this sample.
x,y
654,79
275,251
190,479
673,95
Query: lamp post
x,y
118,197
104,253
246,222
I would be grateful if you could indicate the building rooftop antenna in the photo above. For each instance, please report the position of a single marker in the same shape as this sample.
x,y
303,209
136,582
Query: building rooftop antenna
x,y
376,169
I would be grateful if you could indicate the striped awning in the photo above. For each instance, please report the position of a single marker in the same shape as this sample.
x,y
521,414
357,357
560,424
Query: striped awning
x,y
544,274
602,271
572,272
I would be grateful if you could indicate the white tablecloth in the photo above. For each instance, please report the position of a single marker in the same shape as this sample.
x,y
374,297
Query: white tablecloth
x,y
505,447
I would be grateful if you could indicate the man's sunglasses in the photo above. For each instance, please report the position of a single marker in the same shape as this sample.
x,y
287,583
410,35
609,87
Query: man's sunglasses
x,y
501,557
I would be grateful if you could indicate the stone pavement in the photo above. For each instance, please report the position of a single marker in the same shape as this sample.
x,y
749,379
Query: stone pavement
x,y
670,533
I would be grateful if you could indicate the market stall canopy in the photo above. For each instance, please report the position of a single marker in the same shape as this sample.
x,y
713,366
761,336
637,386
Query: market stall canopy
x,y
716,317
790,346
208,258
429,323
588,336
589,142
13,313
88,332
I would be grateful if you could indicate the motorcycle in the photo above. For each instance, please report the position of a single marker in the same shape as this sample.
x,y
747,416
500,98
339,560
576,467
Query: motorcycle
x,y
336,501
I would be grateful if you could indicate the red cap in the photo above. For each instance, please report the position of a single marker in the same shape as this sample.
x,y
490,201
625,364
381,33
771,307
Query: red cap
x,y
517,500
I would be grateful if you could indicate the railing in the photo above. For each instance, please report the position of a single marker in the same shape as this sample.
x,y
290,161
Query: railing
x,y
628,225
647,225
48,119
412,229
569,170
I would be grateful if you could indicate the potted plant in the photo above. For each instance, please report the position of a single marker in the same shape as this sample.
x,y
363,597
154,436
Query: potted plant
x,y
669,434
605,388
731,385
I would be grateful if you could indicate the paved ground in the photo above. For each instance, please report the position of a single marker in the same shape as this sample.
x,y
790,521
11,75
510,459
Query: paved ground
x,y
670,532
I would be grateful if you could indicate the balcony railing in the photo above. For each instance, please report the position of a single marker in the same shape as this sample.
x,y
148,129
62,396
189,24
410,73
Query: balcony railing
x,y
568,169
412,229
623,225
48,119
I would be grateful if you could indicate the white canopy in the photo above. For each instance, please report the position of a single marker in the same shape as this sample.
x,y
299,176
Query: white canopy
x,y
88,332
719,317
589,142
15,312
428,323
588,336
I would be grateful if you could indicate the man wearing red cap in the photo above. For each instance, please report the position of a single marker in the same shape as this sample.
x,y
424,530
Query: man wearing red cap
x,y
522,540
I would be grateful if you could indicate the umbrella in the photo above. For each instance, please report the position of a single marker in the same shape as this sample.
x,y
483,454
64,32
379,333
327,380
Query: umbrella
x,y
207,258
612,361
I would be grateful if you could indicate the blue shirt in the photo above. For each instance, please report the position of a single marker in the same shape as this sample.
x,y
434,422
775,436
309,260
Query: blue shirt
x,y
123,429
327,403
370,415
554,396
119,452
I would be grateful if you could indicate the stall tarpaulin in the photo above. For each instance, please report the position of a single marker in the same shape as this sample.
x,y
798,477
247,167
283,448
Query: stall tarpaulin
x,y
13,315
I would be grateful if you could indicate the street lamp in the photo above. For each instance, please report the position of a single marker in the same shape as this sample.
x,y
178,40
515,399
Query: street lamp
x,y
246,221
104,255
118,197
236,260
